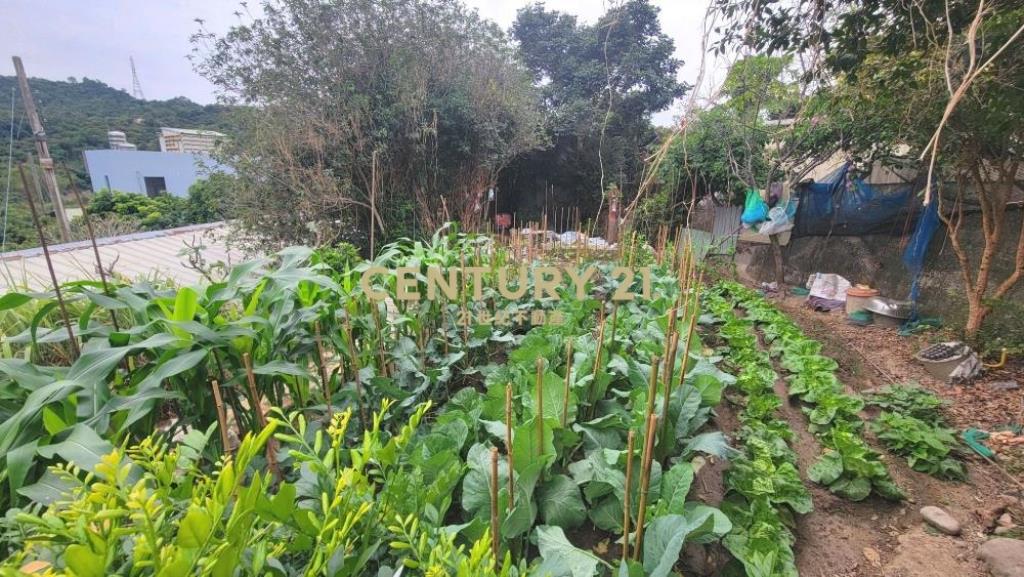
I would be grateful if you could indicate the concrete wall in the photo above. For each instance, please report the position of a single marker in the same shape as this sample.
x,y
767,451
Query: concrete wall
x,y
125,170
877,260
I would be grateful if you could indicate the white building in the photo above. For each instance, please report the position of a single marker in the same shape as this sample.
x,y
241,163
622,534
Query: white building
x,y
189,140
118,141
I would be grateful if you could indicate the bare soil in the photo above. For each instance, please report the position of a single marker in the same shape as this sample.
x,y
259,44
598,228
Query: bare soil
x,y
875,537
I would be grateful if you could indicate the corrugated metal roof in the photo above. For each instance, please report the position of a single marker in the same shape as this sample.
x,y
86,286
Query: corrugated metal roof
x,y
148,255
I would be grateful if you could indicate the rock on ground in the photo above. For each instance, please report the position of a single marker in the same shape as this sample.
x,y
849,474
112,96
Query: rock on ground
x,y
1004,557
938,517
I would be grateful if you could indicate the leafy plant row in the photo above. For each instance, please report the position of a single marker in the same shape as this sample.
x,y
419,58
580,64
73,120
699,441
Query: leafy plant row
x,y
765,489
848,467
910,425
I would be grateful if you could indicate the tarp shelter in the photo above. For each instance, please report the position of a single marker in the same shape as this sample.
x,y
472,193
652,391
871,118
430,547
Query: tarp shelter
x,y
842,205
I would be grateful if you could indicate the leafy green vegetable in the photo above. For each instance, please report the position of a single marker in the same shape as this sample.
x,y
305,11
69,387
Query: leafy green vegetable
x,y
928,448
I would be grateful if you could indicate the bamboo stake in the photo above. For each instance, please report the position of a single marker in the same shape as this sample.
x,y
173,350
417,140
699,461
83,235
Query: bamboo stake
x,y
261,418
508,446
568,377
686,348
92,239
670,366
325,383
222,418
627,512
668,341
355,369
495,545
615,324
645,481
540,408
380,340
49,262
652,387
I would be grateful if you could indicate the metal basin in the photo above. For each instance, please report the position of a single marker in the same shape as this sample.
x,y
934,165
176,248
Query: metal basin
x,y
889,307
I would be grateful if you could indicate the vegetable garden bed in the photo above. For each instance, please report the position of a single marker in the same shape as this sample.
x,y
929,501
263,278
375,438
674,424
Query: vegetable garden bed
x,y
283,422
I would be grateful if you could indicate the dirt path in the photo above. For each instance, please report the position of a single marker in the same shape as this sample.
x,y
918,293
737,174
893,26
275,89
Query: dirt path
x,y
875,537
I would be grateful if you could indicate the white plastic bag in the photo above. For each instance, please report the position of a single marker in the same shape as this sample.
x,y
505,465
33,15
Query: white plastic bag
x,y
778,222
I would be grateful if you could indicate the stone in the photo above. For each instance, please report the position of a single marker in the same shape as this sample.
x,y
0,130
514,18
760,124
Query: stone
x,y
1010,385
1003,557
873,556
1004,520
938,517
1004,530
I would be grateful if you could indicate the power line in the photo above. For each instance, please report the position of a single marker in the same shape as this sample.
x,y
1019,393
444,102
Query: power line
x,y
10,156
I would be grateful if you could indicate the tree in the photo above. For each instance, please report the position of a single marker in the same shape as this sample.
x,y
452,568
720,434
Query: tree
x,y
941,78
368,116
600,84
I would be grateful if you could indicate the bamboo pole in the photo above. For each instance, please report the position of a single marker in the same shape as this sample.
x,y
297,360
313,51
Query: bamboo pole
x,y
325,383
568,379
495,541
92,239
261,418
670,366
380,340
627,509
540,407
355,369
652,387
508,446
615,324
672,313
49,263
645,481
222,418
686,348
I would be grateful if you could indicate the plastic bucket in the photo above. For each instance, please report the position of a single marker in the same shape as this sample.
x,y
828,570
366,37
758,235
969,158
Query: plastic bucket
x,y
857,298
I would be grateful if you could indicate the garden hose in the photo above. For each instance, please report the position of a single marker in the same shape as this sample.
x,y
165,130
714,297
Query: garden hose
x,y
1000,364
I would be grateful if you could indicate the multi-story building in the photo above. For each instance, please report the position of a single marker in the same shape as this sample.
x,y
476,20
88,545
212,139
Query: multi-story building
x,y
189,140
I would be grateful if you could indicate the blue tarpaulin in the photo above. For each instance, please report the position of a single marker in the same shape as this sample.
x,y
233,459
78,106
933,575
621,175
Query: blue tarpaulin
x,y
845,206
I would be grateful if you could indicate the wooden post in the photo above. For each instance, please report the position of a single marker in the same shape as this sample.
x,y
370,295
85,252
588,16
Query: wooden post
x,y
45,162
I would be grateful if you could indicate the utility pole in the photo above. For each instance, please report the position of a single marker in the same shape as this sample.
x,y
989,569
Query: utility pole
x,y
45,162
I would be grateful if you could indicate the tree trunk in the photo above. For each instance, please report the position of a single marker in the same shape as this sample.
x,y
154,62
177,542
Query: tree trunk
x,y
976,313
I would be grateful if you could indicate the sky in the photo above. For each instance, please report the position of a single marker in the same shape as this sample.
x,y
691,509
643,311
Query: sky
x,y
95,39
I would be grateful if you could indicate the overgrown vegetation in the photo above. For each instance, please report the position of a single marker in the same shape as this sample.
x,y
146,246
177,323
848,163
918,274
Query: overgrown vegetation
x,y
129,212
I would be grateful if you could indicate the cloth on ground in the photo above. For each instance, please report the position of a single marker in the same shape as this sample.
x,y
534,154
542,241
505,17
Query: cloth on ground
x,y
828,286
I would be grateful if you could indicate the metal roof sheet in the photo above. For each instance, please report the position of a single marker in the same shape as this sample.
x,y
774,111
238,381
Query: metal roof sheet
x,y
145,255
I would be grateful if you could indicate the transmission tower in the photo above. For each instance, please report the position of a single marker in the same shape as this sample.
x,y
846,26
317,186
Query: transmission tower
x,y
136,86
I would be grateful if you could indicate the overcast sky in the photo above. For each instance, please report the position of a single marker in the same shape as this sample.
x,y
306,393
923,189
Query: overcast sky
x,y
61,38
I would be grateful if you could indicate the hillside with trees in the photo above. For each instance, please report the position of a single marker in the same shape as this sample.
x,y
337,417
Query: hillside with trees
x,y
78,113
